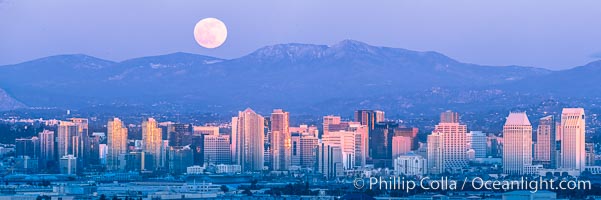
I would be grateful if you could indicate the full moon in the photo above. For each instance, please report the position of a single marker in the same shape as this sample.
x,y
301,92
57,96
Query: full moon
x,y
210,33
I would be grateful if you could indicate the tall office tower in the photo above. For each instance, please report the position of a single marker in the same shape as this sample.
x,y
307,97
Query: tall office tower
x,y
217,149
329,160
454,146
400,145
380,144
179,134
346,141
304,143
66,132
280,141
179,159
494,146
361,142
29,147
116,143
46,148
80,141
545,151
410,133
329,120
517,143
590,154
449,117
369,117
476,140
152,136
435,157
249,140
572,142
94,154
266,142
233,140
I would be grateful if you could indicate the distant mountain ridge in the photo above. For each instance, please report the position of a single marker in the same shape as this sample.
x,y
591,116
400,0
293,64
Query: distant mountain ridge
x,y
279,75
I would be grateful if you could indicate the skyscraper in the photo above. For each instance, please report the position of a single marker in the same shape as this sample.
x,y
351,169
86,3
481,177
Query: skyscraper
x,y
476,140
369,117
153,140
116,143
380,143
249,140
400,145
346,141
46,147
329,120
280,141
454,141
573,139
435,157
545,142
217,149
66,131
517,143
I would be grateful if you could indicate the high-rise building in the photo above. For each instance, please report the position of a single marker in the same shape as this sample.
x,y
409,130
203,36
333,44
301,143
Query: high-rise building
x,y
280,141
573,127
590,154
476,140
304,145
180,158
449,117
329,160
410,133
116,144
400,145
369,117
545,142
80,141
330,120
217,149
361,142
435,156
152,137
27,147
346,141
517,143
380,144
66,132
179,134
249,140
46,148
454,142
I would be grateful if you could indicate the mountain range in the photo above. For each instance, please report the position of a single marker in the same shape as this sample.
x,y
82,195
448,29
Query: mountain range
x,y
350,74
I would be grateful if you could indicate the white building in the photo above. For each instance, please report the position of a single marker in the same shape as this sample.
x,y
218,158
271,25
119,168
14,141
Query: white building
x,y
573,155
410,164
228,169
195,169
517,147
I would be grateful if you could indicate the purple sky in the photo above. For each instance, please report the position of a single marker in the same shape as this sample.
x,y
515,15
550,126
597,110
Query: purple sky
x,y
550,34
